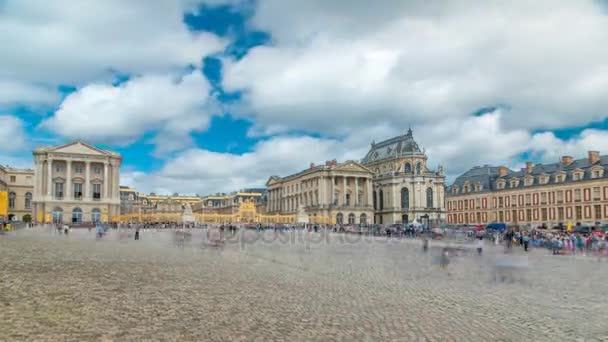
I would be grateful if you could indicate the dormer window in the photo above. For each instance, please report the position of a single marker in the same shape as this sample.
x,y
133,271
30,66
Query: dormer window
x,y
500,184
577,175
478,187
543,180
454,189
559,178
597,172
514,183
529,181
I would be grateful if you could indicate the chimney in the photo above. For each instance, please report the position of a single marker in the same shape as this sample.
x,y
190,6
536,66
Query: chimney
x,y
594,157
334,162
503,171
529,167
566,160
312,165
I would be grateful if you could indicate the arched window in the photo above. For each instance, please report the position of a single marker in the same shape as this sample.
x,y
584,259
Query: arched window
x,y
381,200
405,198
363,219
408,168
57,215
375,200
76,215
339,218
96,215
351,218
28,200
418,168
11,199
429,198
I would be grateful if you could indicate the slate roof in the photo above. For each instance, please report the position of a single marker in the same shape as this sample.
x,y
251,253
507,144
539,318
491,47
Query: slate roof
x,y
398,146
488,175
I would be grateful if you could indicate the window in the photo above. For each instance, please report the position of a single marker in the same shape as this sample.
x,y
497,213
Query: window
x,y
13,179
96,191
543,180
579,212
543,213
500,203
57,215
560,197
514,183
407,168
560,213
477,203
96,215
28,200
529,181
78,168
513,200
348,200
59,190
11,200
597,211
596,193
529,215
381,200
59,167
528,199
76,215
577,195
363,219
543,198
577,175
351,218
500,184
559,178
77,190
405,198
501,216
418,168
339,218
97,169
429,198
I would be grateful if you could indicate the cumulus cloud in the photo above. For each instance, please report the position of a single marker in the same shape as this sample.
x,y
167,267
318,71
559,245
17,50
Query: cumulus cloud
x,y
71,42
549,148
16,92
12,134
104,113
419,62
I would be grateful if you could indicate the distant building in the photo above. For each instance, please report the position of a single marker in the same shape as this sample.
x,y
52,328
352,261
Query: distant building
x,y
76,182
129,201
574,191
19,187
405,189
333,193
229,203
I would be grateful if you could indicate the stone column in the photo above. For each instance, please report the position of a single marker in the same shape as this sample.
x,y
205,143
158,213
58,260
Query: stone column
x,y
116,183
87,181
356,191
321,189
105,181
370,192
344,190
49,177
333,189
394,196
68,180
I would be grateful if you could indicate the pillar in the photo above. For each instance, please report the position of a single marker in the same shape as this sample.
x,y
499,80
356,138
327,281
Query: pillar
x,y
370,192
356,191
87,181
68,179
49,177
105,181
344,190
333,189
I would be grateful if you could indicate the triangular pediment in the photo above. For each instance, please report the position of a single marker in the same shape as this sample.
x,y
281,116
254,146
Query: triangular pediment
x,y
351,166
272,180
79,147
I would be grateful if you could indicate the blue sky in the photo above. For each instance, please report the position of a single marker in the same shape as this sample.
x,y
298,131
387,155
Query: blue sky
x,y
205,96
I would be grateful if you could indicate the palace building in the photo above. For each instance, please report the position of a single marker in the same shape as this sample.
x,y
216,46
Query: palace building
x,y
570,191
404,188
75,183
18,188
332,193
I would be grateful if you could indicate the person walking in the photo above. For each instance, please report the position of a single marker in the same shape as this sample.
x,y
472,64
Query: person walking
x,y
137,233
525,240
479,244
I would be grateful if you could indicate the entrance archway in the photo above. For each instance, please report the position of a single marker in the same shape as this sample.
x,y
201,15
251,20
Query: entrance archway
x,y
76,215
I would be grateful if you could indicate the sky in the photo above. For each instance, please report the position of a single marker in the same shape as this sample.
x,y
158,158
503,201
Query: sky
x,y
207,96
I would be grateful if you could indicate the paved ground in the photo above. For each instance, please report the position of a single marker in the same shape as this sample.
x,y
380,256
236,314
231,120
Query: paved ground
x,y
286,288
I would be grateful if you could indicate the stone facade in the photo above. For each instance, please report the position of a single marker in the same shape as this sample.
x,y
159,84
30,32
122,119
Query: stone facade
x,y
19,187
76,183
230,203
571,191
404,188
336,193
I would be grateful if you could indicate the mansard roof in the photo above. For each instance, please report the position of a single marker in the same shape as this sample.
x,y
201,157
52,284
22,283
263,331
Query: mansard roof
x,y
488,175
401,145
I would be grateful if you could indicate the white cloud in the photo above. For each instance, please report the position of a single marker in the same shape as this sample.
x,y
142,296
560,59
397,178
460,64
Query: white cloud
x,y
70,41
12,134
419,62
121,114
549,148
15,92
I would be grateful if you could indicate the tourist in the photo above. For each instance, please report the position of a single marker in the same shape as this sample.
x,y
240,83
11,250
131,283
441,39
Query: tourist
x,y
479,244
425,243
137,233
525,241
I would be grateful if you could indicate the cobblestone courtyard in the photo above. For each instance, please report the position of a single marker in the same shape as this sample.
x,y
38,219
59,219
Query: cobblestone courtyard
x,y
288,288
